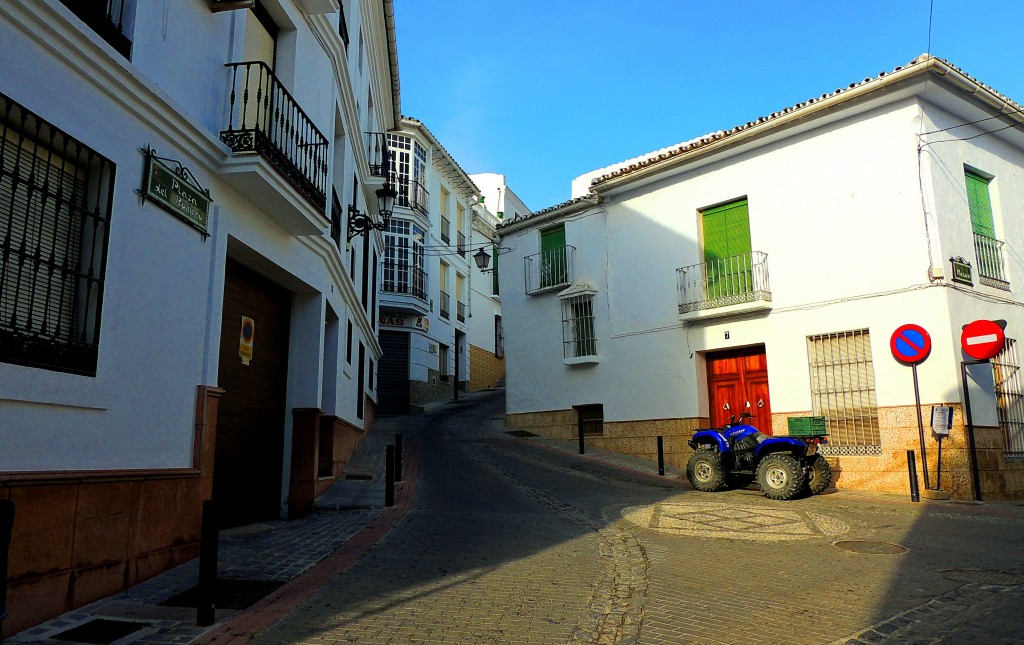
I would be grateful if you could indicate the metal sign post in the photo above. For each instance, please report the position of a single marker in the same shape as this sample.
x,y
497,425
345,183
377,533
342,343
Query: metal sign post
x,y
910,345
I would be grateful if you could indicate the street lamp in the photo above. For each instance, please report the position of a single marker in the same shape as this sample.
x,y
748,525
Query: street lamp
x,y
481,258
360,223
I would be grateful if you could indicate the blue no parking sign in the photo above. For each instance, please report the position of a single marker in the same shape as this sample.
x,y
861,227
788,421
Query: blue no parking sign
x,y
910,343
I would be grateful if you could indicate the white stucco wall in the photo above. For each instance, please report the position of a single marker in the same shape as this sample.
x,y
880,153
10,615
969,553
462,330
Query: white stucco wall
x,y
838,210
163,294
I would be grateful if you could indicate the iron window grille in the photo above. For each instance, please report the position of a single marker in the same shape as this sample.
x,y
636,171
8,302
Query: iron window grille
x,y
460,311
1009,390
499,338
578,338
446,226
462,243
55,204
445,304
843,390
107,19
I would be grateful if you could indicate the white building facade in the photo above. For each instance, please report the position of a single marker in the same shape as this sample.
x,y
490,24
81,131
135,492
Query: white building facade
x,y
429,279
771,264
182,317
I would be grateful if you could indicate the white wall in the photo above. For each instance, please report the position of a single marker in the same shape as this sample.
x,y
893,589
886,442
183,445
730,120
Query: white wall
x,y
839,212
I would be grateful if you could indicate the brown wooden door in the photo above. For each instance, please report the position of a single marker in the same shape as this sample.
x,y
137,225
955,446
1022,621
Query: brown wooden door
x,y
736,376
251,415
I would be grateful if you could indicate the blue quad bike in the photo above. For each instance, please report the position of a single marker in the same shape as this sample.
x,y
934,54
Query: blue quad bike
x,y
737,454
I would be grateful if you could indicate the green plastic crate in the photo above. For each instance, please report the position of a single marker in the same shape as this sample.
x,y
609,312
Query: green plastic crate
x,y
807,426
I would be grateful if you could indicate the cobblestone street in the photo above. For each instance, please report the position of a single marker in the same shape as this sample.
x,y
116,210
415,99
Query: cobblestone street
x,y
518,541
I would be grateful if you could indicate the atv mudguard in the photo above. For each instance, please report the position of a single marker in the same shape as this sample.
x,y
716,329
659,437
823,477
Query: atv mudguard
x,y
781,444
709,436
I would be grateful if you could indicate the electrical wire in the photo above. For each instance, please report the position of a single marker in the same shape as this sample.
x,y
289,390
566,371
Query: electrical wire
x,y
982,134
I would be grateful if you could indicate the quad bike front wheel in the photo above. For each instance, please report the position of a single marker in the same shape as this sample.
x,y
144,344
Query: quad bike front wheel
x,y
819,475
780,476
705,471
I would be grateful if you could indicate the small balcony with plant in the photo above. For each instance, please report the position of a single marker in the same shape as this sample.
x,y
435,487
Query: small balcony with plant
x,y
278,153
550,269
724,286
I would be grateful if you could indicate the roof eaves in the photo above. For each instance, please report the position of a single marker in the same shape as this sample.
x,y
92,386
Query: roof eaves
x,y
559,210
654,162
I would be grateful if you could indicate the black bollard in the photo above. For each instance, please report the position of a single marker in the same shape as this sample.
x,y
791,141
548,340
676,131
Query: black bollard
x,y
398,457
661,455
915,493
581,436
6,526
208,539
389,476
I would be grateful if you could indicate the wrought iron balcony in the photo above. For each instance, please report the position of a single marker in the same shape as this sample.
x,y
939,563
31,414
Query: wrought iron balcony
x,y
446,228
404,278
106,18
991,269
460,311
550,269
462,244
264,118
412,194
377,153
445,303
727,281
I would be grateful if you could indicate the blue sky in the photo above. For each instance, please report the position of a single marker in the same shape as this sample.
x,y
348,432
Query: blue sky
x,y
545,90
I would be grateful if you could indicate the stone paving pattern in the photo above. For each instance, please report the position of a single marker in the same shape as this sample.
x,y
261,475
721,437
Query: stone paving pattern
x,y
499,539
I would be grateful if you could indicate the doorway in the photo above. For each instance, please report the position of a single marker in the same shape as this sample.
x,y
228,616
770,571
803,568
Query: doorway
x,y
737,376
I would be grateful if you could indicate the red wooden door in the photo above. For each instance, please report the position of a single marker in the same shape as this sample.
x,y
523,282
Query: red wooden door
x,y
737,376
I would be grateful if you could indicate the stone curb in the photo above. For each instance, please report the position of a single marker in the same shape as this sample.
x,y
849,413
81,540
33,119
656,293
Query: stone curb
x,y
258,617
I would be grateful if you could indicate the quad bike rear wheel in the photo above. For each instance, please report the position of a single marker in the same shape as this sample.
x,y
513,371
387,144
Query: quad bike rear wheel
x,y
780,476
819,475
705,471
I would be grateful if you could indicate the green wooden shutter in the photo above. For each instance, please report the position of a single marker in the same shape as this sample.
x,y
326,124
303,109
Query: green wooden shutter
x,y
727,249
552,258
980,204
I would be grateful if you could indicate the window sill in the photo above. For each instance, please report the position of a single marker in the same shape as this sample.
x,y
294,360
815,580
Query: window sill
x,y
582,360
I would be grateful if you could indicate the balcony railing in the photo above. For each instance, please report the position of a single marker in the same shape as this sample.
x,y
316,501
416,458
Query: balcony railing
x,y
412,194
264,118
106,19
991,269
460,311
404,278
723,282
446,227
462,244
377,154
445,302
550,269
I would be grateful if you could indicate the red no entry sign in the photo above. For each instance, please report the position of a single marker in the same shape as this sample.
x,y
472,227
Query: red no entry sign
x,y
982,339
910,343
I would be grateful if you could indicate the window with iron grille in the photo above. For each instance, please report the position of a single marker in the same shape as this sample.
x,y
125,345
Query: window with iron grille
x,y
499,338
55,197
1009,388
578,326
843,390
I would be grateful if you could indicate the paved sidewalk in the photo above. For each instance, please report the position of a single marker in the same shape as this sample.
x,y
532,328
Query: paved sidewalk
x,y
293,559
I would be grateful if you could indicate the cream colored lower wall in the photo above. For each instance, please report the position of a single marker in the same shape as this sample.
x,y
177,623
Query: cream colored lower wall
x,y
485,369
886,472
